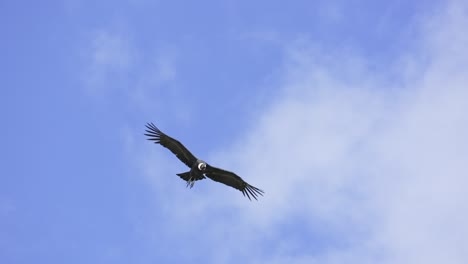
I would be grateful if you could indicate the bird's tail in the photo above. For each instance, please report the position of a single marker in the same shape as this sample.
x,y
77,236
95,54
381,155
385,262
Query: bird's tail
x,y
190,178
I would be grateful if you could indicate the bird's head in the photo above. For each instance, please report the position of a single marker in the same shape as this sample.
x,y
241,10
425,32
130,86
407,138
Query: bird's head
x,y
202,165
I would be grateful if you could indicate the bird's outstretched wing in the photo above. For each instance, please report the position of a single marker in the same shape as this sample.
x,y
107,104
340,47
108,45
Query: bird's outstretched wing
x,y
173,145
231,179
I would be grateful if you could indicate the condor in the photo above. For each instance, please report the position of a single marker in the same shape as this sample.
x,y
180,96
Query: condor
x,y
198,168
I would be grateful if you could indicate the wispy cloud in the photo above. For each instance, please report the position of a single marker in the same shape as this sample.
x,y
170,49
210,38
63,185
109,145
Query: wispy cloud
x,y
375,170
109,57
156,77
114,64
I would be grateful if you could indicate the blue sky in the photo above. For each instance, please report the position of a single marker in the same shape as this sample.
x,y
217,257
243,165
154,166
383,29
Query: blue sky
x,y
351,117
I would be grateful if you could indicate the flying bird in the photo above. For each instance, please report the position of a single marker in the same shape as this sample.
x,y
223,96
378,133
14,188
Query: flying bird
x,y
199,169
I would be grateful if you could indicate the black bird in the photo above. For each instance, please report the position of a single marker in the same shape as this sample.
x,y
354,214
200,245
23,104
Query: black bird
x,y
198,168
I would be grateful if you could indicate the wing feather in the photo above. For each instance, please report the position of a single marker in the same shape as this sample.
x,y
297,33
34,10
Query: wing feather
x,y
172,144
231,179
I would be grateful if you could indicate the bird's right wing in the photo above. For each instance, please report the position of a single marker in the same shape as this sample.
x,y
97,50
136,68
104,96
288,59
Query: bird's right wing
x,y
173,145
231,179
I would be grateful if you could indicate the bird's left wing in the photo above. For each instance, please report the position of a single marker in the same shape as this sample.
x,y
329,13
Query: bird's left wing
x,y
231,179
172,144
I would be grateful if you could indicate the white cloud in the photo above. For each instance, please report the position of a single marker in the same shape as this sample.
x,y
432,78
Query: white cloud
x,y
113,64
155,78
109,57
110,51
375,171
